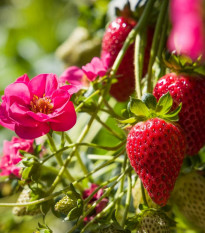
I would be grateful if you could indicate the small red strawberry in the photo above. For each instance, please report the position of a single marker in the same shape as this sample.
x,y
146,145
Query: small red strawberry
x,y
156,146
190,91
112,43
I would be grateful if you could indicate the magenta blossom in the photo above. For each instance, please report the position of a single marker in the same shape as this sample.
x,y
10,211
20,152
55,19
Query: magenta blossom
x,y
74,76
33,107
80,78
11,155
97,67
187,36
100,206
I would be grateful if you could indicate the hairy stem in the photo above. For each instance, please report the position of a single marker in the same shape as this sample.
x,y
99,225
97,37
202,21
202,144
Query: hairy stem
x,y
138,61
155,43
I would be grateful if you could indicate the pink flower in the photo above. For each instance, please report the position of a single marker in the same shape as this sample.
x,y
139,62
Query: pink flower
x,y
11,155
187,36
33,107
75,76
97,67
81,78
100,206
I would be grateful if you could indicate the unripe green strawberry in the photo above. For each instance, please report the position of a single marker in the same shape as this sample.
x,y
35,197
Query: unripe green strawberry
x,y
25,197
71,204
189,196
153,222
150,221
65,205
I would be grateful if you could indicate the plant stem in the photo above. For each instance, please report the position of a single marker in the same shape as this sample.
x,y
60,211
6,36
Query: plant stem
x,y
110,109
104,211
155,43
63,190
121,184
88,199
141,24
88,98
105,194
108,128
81,137
36,201
103,157
84,169
100,167
58,156
128,198
138,61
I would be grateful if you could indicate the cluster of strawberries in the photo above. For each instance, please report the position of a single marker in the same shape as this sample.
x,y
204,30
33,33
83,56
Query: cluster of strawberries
x,y
159,140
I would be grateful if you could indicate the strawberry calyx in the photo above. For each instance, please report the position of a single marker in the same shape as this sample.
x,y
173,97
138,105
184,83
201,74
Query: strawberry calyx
x,y
148,107
182,64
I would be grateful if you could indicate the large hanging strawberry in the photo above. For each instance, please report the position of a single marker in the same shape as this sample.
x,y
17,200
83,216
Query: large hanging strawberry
x,y
112,43
155,145
190,91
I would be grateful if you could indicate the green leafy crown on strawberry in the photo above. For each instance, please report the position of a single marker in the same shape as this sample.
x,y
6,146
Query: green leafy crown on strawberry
x,y
183,64
148,107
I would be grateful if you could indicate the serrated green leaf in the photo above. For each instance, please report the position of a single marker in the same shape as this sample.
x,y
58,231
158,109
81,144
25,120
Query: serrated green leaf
x,y
171,118
164,104
130,120
139,108
174,115
176,110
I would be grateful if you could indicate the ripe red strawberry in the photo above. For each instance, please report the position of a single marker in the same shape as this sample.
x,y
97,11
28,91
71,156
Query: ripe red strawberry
x,y
112,43
191,92
156,151
155,146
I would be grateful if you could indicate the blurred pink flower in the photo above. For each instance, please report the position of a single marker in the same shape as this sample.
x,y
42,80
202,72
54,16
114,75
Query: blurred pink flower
x,y
11,155
81,78
33,107
187,36
74,76
97,67
100,206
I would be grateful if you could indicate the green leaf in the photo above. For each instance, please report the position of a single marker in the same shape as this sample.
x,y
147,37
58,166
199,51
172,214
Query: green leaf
x,y
149,100
164,104
139,108
130,120
174,115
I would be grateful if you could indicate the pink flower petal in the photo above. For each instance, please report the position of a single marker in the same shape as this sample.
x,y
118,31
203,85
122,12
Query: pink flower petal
x,y
17,92
72,75
94,69
43,84
66,120
32,132
39,117
5,121
23,78
18,113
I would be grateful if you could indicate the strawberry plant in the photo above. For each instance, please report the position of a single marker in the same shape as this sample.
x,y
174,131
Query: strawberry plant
x,y
94,149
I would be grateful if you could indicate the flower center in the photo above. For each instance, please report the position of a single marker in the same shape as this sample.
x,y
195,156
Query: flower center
x,y
42,105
